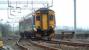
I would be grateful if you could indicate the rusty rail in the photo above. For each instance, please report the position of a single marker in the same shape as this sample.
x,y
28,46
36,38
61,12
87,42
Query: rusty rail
x,y
20,46
71,43
75,43
44,47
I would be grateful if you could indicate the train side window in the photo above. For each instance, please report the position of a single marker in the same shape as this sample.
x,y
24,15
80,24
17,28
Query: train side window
x,y
51,17
38,18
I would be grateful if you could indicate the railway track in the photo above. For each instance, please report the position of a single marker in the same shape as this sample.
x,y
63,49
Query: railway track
x,y
36,45
51,45
73,45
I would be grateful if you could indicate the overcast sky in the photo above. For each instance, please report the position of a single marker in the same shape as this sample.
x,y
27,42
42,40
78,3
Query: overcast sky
x,y
64,13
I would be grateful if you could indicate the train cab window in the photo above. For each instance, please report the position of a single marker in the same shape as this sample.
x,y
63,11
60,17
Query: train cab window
x,y
38,18
51,17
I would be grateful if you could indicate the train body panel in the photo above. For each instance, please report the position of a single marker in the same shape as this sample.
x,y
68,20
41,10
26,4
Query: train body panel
x,y
51,18
37,21
26,25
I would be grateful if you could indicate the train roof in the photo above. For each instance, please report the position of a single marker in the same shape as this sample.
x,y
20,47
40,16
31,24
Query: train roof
x,y
44,10
25,20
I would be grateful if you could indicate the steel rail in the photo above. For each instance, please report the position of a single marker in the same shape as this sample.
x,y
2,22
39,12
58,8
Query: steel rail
x,y
71,43
37,45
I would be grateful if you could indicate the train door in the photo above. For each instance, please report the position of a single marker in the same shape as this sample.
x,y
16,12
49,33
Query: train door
x,y
44,21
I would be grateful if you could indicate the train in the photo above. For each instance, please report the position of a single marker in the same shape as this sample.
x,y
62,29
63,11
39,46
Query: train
x,y
40,25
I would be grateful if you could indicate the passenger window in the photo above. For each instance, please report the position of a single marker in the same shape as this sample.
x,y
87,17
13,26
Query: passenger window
x,y
38,18
51,17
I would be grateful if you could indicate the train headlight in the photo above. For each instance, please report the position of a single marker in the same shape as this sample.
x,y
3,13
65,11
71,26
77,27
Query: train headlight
x,y
52,26
35,29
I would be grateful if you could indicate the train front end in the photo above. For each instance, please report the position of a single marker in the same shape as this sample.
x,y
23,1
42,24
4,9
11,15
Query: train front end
x,y
45,23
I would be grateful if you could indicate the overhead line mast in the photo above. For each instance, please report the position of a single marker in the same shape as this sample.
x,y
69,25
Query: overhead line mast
x,y
75,18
